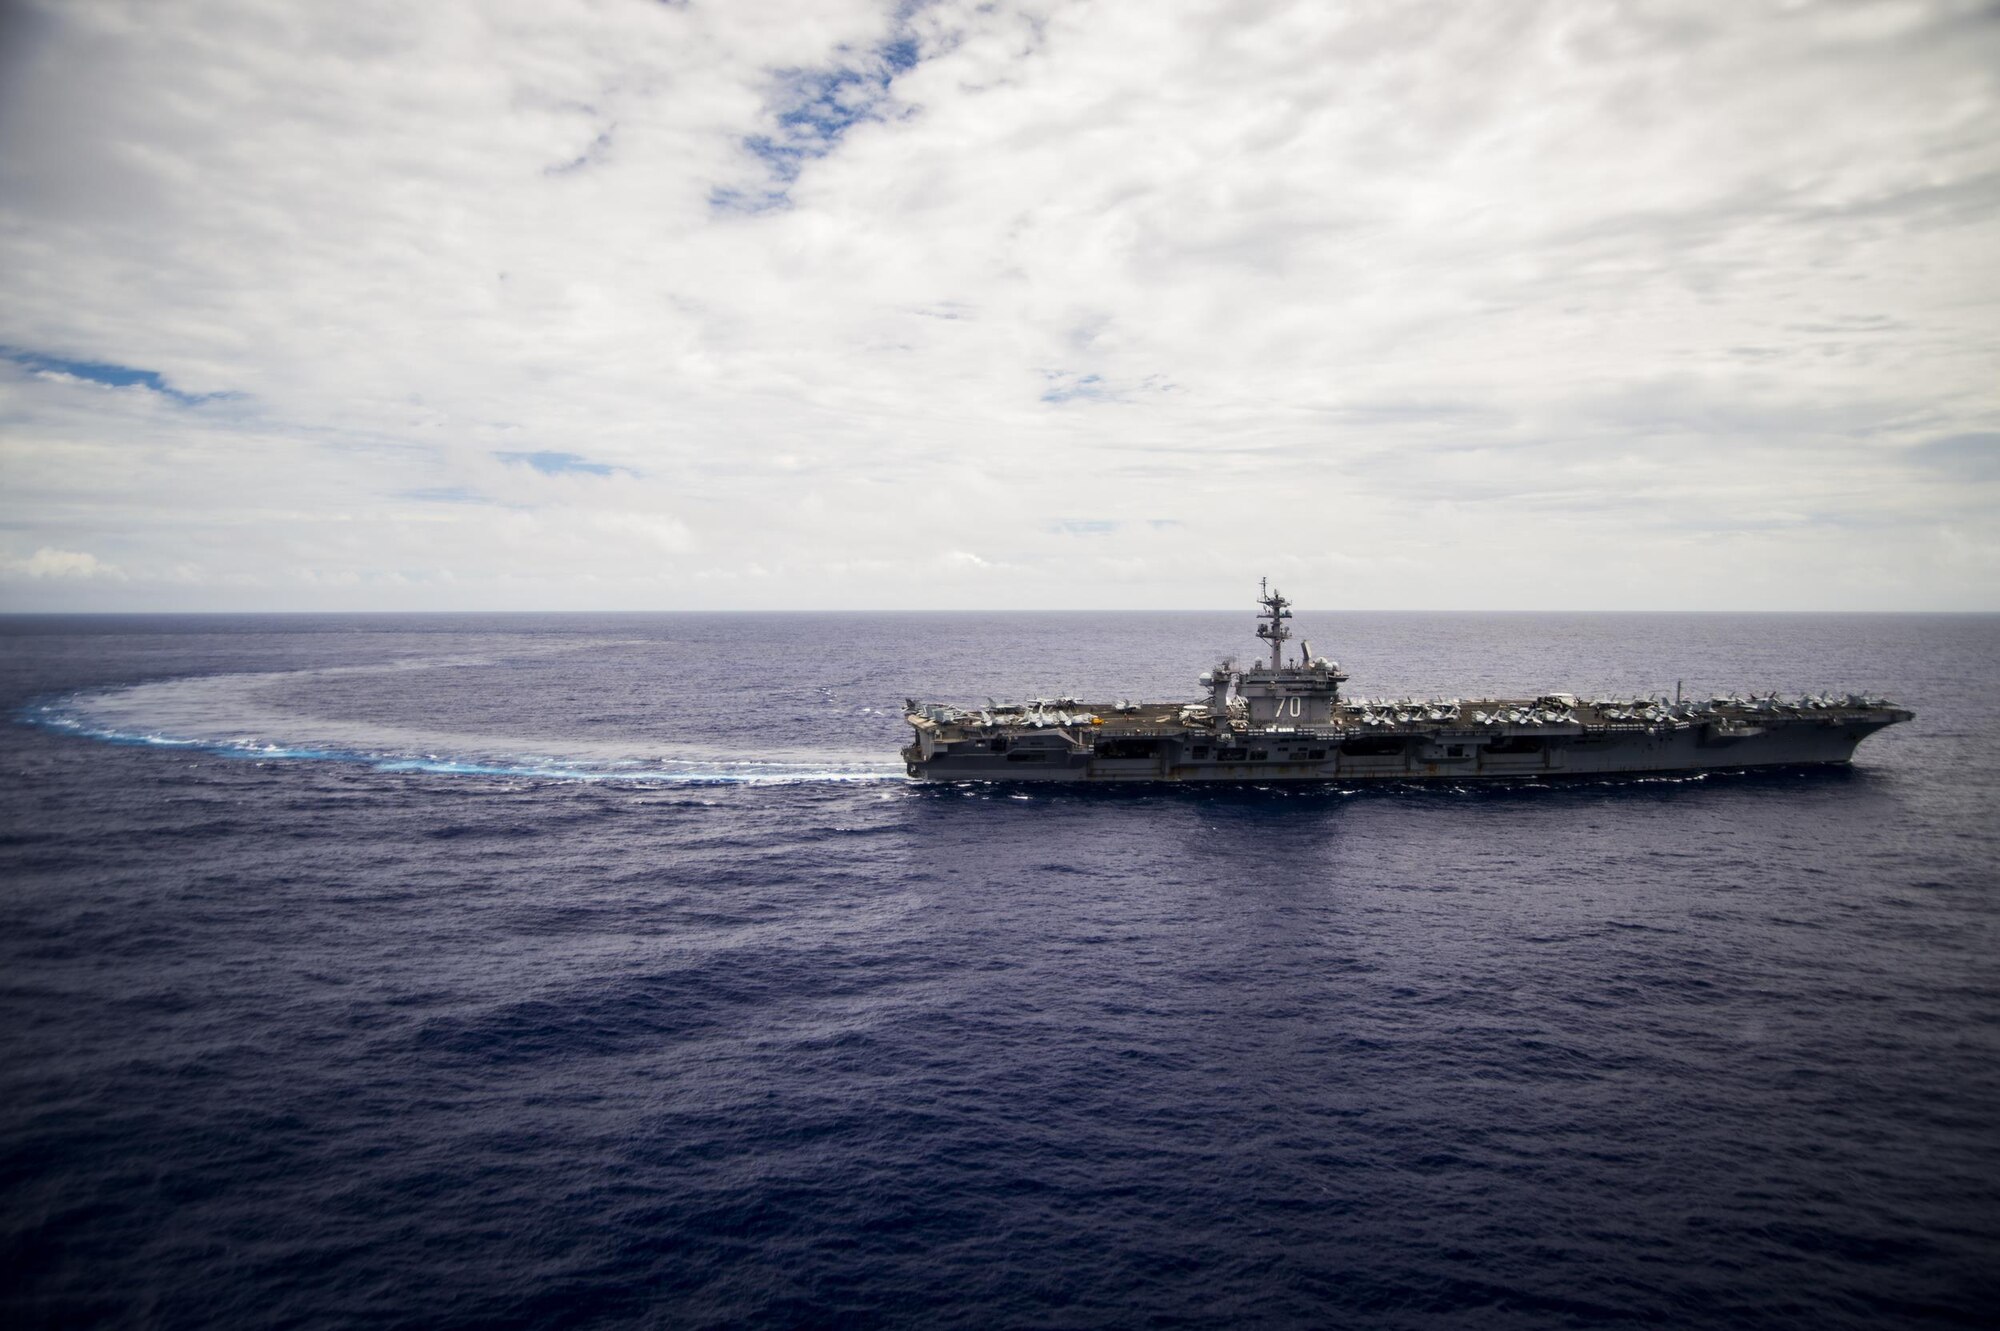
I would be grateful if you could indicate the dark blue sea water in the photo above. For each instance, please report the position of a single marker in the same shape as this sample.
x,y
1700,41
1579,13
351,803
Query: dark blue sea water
x,y
550,971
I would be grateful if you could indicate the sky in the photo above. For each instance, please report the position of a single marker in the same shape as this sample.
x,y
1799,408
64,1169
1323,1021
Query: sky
x,y
833,304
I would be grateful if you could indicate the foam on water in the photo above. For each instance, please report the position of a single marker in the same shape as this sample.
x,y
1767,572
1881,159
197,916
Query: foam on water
x,y
232,715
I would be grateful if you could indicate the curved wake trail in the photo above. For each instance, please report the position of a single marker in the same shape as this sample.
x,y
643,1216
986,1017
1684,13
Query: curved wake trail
x,y
221,714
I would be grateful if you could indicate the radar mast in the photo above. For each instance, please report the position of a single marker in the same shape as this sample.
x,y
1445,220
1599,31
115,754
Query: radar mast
x,y
1277,610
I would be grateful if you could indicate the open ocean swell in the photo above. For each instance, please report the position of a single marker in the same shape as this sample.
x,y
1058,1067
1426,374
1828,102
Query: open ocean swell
x,y
597,970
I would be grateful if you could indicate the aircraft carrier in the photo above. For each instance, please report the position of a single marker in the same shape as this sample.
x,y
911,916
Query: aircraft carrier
x,y
1287,721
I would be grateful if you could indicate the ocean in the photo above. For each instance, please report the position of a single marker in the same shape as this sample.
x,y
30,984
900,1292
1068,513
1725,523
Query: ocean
x,y
604,970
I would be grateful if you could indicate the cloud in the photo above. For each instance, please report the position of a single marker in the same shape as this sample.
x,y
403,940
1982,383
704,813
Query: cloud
x,y
665,533
49,562
315,305
1972,459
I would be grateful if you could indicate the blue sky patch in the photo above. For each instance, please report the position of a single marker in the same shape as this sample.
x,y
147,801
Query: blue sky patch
x,y
559,464
108,374
1068,387
815,107
1083,526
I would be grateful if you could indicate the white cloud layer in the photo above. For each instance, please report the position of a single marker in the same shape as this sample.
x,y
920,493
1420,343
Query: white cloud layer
x,y
49,562
807,303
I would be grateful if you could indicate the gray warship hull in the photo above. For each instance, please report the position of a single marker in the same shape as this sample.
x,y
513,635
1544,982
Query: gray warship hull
x,y
1286,722
1369,754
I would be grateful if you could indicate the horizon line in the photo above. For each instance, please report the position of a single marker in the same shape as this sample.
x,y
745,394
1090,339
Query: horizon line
x,y
985,610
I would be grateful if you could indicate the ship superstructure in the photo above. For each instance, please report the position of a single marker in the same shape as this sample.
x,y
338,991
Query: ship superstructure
x,y
1286,720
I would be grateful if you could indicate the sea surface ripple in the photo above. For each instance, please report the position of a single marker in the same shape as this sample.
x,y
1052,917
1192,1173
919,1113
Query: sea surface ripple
x,y
592,970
